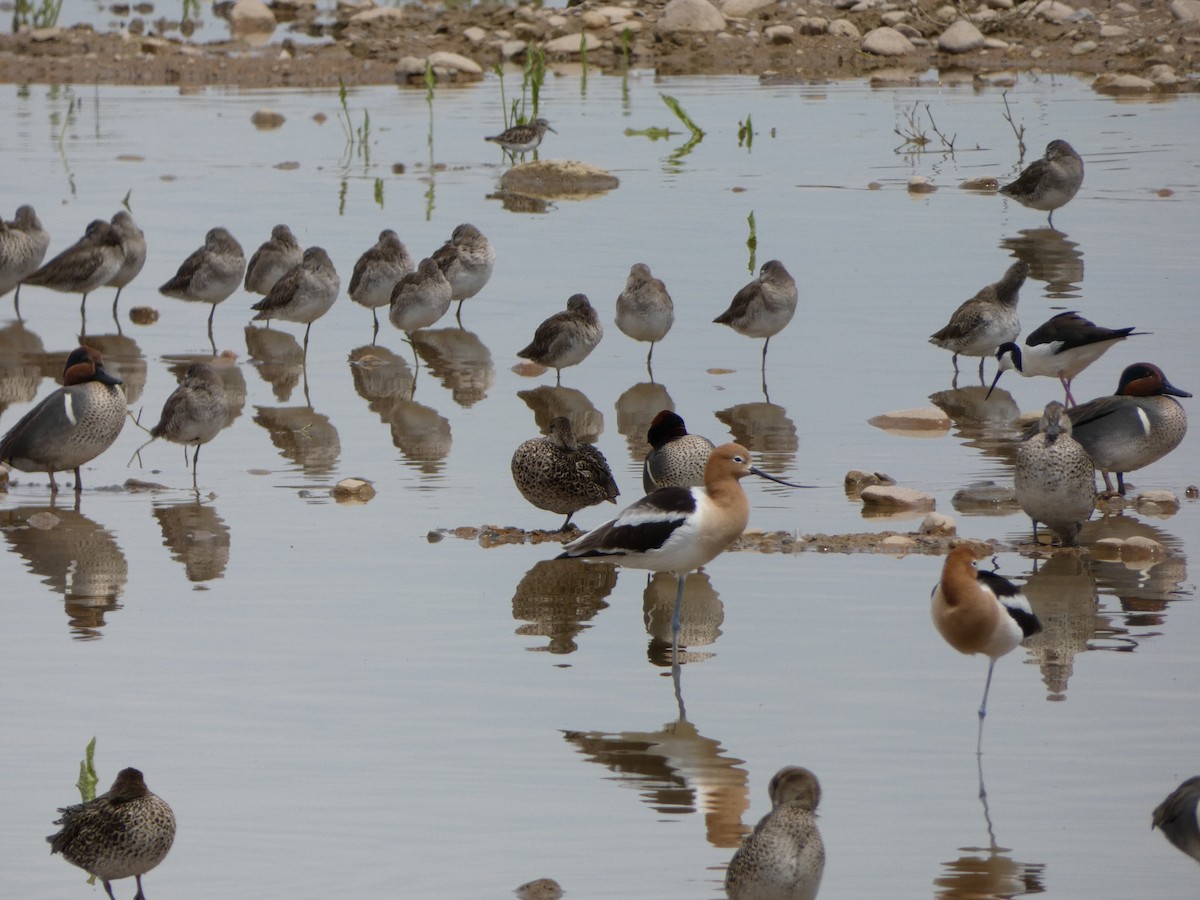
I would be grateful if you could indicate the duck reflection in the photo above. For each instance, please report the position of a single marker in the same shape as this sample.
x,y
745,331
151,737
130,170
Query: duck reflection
x,y
1144,583
1052,258
75,556
459,359
700,616
982,423
557,597
303,436
21,352
676,771
765,430
636,409
123,358
278,357
196,537
225,365
987,872
1062,592
548,403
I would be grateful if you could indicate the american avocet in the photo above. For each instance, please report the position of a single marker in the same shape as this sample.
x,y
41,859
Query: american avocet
x,y
23,245
304,294
566,338
195,412
1060,348
71,426
561,474
763,307
677,529
466,260
210,274
784,857
1049,182
125,832
980,612
377,272
521,138
1176,816
1055,478
273,259
84,266
644,308
134,242
676,458
986,321
1139,424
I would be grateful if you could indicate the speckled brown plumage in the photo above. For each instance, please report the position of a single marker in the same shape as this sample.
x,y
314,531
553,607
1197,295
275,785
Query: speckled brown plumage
x,y
1055,478
560,474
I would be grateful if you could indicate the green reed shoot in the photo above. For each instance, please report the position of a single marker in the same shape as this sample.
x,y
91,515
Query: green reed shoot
x,y
673,105
379,192
752,242
746,133
87,774
535,77
583,58
430,81
34,14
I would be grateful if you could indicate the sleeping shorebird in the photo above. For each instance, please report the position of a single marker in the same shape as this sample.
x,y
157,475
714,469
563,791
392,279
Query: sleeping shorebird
x,y
23,245
1060,348
84,266
377,273
273,259
210,274
302,295
134,242
644,308
764,307
195,412
566,338
1049,182
986,321
980,612
678,529
467,260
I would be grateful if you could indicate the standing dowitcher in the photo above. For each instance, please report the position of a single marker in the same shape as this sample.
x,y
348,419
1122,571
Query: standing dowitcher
x,y
420,298
676,458
23,245
273,259
123,833
466,260
1055,479
84,266
195,412
644,308
987,320
763,307
377,273
211,273
561,474
566,338
784,857
304,294
1050,182
134,242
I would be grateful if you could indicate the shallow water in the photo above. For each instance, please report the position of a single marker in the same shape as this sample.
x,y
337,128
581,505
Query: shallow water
x,y
331,702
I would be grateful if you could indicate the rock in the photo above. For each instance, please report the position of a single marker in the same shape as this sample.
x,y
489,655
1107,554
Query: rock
x,y
42,521
739,9
814,25
780,34
856,478
844,28
1163,75
251,15
938,524
380,16
540,889
897,542
616,15
557,178
1157,503
1122,84
1138,547
446,67
998,4
1053,12
352,490
1113,31
892,497
983,183
691,15
1082,47
919,184
1123,10
886,42
475,34
961,37
266,119
928,421
983,495
1185,11
594,21
894,18
509,49
143,315
570,43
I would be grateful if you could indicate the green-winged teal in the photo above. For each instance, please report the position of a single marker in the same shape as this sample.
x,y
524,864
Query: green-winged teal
x,y
1055,479
676,458
561,474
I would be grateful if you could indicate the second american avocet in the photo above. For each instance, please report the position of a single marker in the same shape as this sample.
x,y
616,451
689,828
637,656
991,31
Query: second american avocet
x,y
980,612
784,857
377,272
644,308
1049,182
677,529
562,474
676,458
1055,479
566,338
764,307
304,294
1139,424
1060,348
1177,817
273,259
986,321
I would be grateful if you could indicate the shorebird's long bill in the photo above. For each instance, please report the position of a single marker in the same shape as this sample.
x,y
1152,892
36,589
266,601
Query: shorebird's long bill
x,y
993,387
761,474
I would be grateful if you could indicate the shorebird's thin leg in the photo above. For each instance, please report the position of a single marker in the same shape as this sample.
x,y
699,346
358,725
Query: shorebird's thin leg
x,y
558,377
567,522
17,303
458,312
954,362
83,306
982,359
307,328
116,300
1050,219
1066,383
983,707
53,484
375,332
675,616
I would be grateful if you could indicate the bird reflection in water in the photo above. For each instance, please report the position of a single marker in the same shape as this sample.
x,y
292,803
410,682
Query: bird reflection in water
x,y
558,598
21,366
1062,592
765,430
123,358
700,616
304,437
1145,581
278,357
74,556
1051,257
459,360
380,375
982,423
636,409
548,403
985,872
196,536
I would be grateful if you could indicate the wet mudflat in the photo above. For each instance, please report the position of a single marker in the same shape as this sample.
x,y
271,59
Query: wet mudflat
x,y
331,701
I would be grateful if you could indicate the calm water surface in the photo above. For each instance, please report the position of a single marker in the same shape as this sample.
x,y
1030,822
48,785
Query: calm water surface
x,y
332,703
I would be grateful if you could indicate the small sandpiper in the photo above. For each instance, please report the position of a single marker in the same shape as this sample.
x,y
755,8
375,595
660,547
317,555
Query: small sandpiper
x,y
521,138
764,307
1050,182
562,474
378,271
23,246
195,412
211,274
644,309
466,260
273,259
304,294
123,833
566,338
1060,348
676,458
420,298
784,857
1055,478
135,254
980,325
86,265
